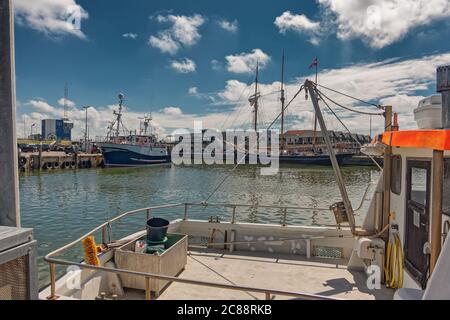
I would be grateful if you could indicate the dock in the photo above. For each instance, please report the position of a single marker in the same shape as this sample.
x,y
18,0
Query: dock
x,y
55,160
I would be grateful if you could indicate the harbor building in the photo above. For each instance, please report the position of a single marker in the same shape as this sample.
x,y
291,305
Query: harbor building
x,y
297,141
57,129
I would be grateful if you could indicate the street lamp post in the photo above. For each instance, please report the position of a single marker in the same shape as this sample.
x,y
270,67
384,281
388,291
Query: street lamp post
x,y
31,129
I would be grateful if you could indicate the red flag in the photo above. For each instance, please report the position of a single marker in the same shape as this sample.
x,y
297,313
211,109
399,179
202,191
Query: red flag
x,y
314,63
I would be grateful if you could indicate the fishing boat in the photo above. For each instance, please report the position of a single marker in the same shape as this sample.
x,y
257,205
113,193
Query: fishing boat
x,y
398,251
132,150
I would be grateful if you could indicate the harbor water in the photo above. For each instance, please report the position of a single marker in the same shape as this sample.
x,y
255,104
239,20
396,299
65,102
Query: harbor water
x,y
63,205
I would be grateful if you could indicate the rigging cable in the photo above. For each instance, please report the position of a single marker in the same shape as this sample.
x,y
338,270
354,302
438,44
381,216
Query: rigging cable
x,y
293,98
319,93
247,87
351,97
352,110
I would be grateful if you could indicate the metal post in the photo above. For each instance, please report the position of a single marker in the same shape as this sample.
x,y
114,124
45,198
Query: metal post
x,y
109,233
85,129
387,168
284,217
337,171
436,210
147,214
9,171
53,295
148,295
233,216
185,212
40,155
104,235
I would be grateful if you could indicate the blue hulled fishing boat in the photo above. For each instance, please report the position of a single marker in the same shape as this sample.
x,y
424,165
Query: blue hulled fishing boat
x,y
132,150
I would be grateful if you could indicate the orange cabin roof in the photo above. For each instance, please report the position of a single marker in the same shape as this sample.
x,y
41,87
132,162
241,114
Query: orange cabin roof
x,y
428,139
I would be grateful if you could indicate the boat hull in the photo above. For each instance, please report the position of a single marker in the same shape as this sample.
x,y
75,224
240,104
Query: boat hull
x,y
116,155
318,160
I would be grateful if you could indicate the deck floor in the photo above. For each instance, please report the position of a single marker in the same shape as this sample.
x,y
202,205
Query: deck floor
x,y
282,272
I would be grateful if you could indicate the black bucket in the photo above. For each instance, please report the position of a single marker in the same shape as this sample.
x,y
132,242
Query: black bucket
x,y
157,229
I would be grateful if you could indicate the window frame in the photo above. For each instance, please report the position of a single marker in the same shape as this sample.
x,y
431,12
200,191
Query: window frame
x,y
444,191
396,176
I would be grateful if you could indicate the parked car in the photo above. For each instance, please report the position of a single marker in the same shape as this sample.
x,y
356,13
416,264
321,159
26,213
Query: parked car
x,y
28,148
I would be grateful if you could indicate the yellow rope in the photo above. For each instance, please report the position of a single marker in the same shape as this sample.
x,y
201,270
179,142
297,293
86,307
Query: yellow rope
x,y
394,263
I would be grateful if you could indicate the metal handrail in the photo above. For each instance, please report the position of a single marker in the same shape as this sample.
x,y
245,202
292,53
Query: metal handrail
x,y
53,261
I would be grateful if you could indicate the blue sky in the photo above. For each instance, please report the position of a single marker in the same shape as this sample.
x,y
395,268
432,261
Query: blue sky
x,y
185,60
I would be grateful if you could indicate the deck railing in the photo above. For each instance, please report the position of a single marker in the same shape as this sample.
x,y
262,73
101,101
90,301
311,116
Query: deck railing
x,y
106,229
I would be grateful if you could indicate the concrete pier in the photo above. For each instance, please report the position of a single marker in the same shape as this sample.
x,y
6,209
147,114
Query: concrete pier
x,y
9,183
53,160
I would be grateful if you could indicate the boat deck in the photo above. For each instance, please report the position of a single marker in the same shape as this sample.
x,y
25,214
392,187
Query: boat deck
x,y
326,277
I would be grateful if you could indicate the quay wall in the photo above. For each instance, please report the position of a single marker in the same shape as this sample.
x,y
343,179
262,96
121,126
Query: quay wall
x,y
54,160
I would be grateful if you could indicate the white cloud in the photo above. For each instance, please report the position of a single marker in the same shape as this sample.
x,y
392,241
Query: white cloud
x,y
165,43
299,23
182,33
68,102
41,106
193,91
52,17
246,62
231,26
130,35
172,111
383,22
183,66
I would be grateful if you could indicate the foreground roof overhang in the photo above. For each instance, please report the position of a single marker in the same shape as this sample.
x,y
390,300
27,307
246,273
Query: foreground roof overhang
x,y
428,139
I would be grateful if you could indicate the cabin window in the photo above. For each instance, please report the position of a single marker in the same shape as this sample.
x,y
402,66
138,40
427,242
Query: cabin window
x,y
446,191
396,175
418,186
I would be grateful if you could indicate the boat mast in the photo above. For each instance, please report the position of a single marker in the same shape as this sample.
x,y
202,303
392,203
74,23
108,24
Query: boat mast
x,y
254,99
146,123
119,114
315,115
283,100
